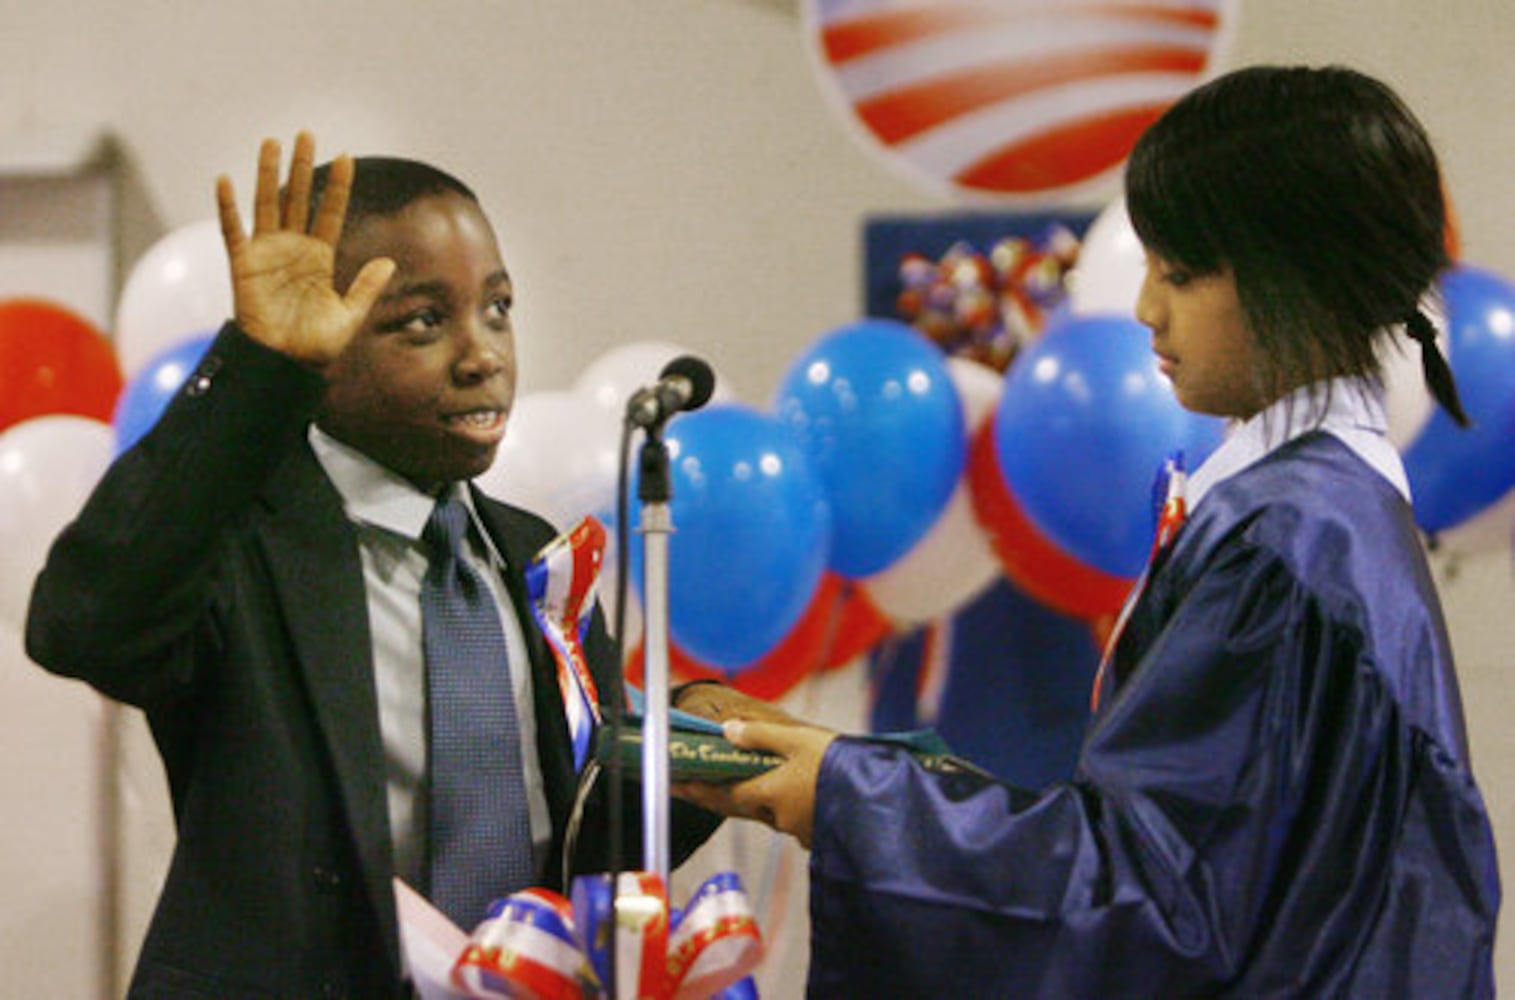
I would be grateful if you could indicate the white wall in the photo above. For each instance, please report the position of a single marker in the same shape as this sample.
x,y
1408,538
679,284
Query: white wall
x,y
669,169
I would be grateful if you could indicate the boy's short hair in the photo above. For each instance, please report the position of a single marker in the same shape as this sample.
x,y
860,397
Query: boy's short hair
x,y
383,185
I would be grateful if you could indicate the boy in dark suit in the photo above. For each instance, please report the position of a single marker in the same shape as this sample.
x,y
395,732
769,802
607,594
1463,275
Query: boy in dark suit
x,y
249,575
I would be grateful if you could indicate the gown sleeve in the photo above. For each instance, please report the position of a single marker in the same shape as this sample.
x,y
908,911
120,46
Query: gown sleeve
x,y
1227,830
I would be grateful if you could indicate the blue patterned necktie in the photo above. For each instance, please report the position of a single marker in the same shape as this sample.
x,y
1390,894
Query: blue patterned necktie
x,y
480,824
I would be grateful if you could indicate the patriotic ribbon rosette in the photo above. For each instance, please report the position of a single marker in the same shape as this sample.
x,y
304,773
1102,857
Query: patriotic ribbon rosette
x,y
561,583
537,944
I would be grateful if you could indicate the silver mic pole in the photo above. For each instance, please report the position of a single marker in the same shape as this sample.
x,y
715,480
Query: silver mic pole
x,y
657,525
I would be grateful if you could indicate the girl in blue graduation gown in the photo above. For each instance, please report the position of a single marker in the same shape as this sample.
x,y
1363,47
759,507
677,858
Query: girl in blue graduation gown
x,y
1275,796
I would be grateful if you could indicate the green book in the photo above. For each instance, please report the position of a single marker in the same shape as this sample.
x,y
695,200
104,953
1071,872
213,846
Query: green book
x,y
705,755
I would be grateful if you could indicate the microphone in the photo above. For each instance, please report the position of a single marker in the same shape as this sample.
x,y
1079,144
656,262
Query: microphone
x,y
685,383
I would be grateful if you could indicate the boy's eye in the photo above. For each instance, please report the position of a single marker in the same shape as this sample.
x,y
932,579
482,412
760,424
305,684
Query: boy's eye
x,y
421,321
1177,276
499,307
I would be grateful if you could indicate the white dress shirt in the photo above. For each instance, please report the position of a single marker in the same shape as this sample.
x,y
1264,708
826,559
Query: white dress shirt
x,y
389,514
1349,409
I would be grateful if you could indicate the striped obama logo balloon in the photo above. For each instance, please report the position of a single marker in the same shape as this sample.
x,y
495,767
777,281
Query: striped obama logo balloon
x,y
1029,101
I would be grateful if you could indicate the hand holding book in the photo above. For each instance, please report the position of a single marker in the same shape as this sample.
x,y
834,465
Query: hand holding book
x,y
768,771
698,750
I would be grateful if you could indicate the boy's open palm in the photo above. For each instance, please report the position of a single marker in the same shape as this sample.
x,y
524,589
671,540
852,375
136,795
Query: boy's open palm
x,y
282,272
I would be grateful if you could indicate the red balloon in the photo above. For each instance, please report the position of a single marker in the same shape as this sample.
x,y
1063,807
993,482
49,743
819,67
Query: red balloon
x,y
53,362
832,626
859,624
1452,234
1040,568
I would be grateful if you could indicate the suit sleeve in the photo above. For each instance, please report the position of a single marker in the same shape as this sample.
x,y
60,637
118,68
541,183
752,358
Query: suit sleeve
x,y
121,598
1250,750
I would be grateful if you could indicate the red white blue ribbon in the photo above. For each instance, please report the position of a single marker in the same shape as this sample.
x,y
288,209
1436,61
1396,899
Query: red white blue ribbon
x,y
561,584
524,949
715,941
1169,507
1170,510
535,944
641,931
709,946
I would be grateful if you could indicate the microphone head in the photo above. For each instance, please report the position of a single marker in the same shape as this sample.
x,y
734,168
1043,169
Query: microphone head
x,y
699,375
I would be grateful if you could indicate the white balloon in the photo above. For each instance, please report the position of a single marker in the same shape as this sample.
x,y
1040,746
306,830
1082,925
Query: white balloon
x,y
179,288
978,387
609,381
48,466
1409,404
1107,277
560,458
953,562
607,592
1407,400
561,455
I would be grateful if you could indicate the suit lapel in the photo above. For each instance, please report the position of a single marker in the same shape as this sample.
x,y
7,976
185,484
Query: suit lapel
x,y
519,538
317,572
318,576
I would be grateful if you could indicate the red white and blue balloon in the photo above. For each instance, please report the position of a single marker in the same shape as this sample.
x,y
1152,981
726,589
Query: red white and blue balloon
x,y
1018,100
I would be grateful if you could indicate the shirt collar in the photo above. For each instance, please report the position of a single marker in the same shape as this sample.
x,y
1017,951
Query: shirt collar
x,y
374,494
1350,409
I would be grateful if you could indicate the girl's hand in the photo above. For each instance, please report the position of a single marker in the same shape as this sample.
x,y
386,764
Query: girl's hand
x,y
783,798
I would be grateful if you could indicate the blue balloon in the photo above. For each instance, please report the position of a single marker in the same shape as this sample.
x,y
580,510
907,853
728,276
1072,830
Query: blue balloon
x,y
742,989
1085,422
1454,472
880,418
147,393
751,532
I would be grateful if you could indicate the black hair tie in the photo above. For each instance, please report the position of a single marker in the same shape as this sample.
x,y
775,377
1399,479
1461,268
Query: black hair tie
x,y
1434,366
1420,329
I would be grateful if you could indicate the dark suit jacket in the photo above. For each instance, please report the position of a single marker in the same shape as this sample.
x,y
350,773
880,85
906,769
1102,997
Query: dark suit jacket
x,y
214,581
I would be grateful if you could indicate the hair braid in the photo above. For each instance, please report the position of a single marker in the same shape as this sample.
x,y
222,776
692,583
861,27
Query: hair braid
x,y
1434,365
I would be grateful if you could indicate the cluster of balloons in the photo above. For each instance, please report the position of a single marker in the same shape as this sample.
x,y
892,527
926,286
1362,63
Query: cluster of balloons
x,y
984,305
888,482
59,380
73,397
750,592
175,298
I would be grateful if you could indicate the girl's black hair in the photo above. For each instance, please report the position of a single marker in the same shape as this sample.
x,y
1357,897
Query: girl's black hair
x,y
1319,190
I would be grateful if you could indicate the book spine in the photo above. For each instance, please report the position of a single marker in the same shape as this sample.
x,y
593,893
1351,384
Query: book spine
x,y
707,757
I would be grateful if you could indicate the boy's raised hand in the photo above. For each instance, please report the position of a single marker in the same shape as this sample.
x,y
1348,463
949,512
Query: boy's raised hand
x,y
282,272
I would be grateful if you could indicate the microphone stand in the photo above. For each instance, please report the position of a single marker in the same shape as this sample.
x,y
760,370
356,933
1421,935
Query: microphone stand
x,y
654,490
685,384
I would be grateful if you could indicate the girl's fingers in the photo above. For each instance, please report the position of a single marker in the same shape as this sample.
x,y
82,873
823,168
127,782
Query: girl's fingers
x,y
783,738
